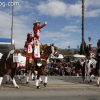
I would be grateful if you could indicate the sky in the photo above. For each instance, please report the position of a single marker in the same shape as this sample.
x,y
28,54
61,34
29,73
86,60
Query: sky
x,y
64,21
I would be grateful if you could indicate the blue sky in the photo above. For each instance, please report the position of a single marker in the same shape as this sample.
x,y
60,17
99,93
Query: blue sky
x,y
63,21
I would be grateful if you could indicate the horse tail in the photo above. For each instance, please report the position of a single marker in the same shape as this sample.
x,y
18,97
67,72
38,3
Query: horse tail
x,y
2,63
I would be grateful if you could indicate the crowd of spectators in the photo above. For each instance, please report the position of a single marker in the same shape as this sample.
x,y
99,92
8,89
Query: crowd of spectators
x,y
60,68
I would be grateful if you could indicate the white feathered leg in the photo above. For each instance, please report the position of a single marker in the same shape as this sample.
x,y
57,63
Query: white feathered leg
x,y
15,84
19,77
37,84
8,78
40,80
77,75
45,82
27,79
98,81
33,76
1,78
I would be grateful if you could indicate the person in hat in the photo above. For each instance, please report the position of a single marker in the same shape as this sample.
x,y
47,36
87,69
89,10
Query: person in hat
x,y
29,37
36,31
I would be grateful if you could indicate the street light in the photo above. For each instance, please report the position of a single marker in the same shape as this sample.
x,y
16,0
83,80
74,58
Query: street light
x,y
12,26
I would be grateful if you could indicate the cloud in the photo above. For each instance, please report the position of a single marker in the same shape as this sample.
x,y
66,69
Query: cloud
x,y
93,13
71,29
54,8
20,29
23,5
93,3
58,8
68,42
56,35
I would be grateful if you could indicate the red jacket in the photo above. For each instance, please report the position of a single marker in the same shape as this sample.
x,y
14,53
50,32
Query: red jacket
x,y
35,30
90,48
29,39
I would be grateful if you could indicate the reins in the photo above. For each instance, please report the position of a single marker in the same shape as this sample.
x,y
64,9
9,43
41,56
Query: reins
x,y
43,46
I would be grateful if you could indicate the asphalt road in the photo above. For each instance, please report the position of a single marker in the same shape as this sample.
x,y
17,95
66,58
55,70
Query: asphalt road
x,y
58,88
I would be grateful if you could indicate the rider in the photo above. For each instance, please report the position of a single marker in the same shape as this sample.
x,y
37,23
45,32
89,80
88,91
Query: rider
x,y
28,44
36,31
98,46
90,50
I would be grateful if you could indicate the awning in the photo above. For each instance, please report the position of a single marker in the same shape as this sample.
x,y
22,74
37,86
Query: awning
x,y
79,56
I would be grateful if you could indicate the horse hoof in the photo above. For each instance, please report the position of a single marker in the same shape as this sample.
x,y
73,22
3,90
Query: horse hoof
x,y
23,77
90,80
17,87
41,82
97,85
27,82
38,87
6,82
45,84
33,79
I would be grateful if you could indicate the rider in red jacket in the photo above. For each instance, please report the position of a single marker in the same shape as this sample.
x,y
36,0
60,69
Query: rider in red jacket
x,y
36,31
37,27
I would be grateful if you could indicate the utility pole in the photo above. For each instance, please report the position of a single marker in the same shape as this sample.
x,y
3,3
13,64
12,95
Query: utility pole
x,y
83,26
12,25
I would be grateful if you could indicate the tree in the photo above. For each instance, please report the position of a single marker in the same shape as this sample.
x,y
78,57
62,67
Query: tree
x,y
83,44
89,38
85,49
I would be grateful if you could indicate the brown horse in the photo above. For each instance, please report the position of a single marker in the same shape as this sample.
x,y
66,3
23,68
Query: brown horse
x,y
8,67
41,64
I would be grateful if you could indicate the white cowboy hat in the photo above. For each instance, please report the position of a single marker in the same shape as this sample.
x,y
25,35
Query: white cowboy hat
x,y
37,21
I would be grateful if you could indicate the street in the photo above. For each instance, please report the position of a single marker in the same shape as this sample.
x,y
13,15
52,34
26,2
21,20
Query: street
x,y
58,88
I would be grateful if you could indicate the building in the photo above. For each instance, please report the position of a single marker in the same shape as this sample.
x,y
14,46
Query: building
x,y
5,45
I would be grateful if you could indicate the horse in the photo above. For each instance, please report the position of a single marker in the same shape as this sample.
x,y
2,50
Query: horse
x,y
41,64
87,68
8,66
78,66
98,66
90,69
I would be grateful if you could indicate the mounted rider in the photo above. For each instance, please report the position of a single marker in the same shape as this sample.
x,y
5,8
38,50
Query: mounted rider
x,y
36,31
98,48
98,61
90,50
29,43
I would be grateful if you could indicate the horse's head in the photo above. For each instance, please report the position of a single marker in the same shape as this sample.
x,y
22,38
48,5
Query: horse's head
x,y
53,50
49,50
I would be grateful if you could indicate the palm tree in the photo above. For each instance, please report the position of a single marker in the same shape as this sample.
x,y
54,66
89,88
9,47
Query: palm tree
x,y
83,26
77,46
89,38
68,47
